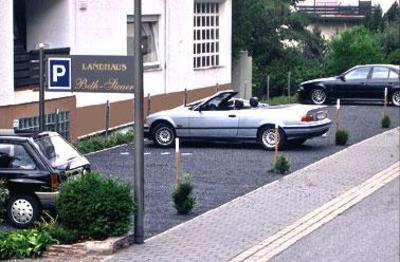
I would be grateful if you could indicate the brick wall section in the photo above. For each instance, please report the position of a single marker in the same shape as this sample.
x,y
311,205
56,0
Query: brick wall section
x,y
10,112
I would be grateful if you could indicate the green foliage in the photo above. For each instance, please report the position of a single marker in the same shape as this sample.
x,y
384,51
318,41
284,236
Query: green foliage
x,y
183,197
394,57
95,206
4,194
97,143
64,235
280,100
352,47
374,21
28,243
278,41
385,121
281,165
341,137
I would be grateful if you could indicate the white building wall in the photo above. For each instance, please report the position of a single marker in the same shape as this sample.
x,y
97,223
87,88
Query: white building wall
x,y
6,53
48,22
180,72
100,28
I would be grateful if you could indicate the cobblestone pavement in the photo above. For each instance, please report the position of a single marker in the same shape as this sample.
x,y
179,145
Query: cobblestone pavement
x,y
224,232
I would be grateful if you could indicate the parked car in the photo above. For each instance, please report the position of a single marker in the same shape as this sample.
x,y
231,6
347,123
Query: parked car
x,y
222,117
33,165
359,82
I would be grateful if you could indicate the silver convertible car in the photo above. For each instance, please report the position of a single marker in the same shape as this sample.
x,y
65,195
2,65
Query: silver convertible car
x,y
224,117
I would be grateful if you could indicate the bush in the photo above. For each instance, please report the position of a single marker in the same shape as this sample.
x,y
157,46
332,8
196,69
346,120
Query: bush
x,y
95,206
26,243
341,137
281,165
352,47
4,194
385,121
280,100
64,235
97,143
183,197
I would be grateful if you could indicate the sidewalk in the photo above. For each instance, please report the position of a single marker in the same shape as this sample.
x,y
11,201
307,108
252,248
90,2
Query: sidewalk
x,y
229,230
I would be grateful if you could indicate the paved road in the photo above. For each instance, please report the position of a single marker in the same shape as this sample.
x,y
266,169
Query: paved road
x,y
224,171
367,232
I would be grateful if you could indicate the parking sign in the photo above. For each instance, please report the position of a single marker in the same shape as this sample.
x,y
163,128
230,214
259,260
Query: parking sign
x,y
59,77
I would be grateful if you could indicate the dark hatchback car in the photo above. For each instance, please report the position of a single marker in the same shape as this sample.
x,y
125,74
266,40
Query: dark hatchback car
x,y
32,166
359,82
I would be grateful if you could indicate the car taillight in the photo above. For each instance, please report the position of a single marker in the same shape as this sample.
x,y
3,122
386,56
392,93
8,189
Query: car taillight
x,y
145,121
54,182
307,118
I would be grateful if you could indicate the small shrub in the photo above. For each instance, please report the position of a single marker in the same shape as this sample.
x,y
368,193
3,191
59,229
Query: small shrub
x,y
4,194
385,121
28,243
342,135
281,165
183,197
95,206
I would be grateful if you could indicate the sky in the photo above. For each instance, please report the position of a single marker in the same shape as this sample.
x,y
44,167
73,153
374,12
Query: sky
x,y
385,4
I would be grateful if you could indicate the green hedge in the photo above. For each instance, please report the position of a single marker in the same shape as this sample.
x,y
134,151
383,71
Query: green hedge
x,y
95,207
4,194
97,143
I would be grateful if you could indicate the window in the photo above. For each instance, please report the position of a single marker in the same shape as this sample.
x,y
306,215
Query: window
x,y
380,73
149,38
359,73
393,75
206,35
15,157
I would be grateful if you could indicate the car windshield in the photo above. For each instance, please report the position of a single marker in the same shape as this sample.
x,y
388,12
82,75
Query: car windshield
x,y
58,151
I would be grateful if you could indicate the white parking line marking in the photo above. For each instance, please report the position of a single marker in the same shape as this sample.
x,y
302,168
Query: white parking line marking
x,y
147,153
124,153
186,154
165,153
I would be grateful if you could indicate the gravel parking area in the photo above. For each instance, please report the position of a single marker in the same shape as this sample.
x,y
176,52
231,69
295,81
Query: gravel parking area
x,y
223,171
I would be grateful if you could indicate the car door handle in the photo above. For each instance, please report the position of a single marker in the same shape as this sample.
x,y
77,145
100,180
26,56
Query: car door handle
x,y
362,83
232,115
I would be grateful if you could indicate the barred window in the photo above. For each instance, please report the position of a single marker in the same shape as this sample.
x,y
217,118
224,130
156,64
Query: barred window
x,y
205,35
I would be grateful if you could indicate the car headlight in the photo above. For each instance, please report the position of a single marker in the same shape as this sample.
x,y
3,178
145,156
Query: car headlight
x,y
301,88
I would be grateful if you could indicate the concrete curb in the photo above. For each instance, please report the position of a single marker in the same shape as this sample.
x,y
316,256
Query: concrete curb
x,y
105,248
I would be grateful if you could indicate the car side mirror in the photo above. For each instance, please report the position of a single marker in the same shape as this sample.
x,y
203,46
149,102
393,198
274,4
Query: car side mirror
x,y
342,77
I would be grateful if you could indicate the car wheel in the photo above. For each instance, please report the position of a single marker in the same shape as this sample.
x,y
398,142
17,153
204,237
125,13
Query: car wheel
x,y
267,138
396,98
297,142
164,135
23,210
318,96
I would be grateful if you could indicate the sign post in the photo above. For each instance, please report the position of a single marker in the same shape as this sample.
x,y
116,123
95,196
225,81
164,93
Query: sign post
x,y
277,138
41,89
337,114
385,102
177,162
139,159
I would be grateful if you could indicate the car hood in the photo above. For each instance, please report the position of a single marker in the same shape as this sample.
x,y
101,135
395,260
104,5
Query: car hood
x,y
318,80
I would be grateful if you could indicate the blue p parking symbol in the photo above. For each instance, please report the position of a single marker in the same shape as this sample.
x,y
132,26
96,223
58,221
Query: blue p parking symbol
x,y
59,77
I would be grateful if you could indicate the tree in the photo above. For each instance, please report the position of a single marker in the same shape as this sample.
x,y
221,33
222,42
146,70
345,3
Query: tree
x,y
354,46
374,21
277,37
